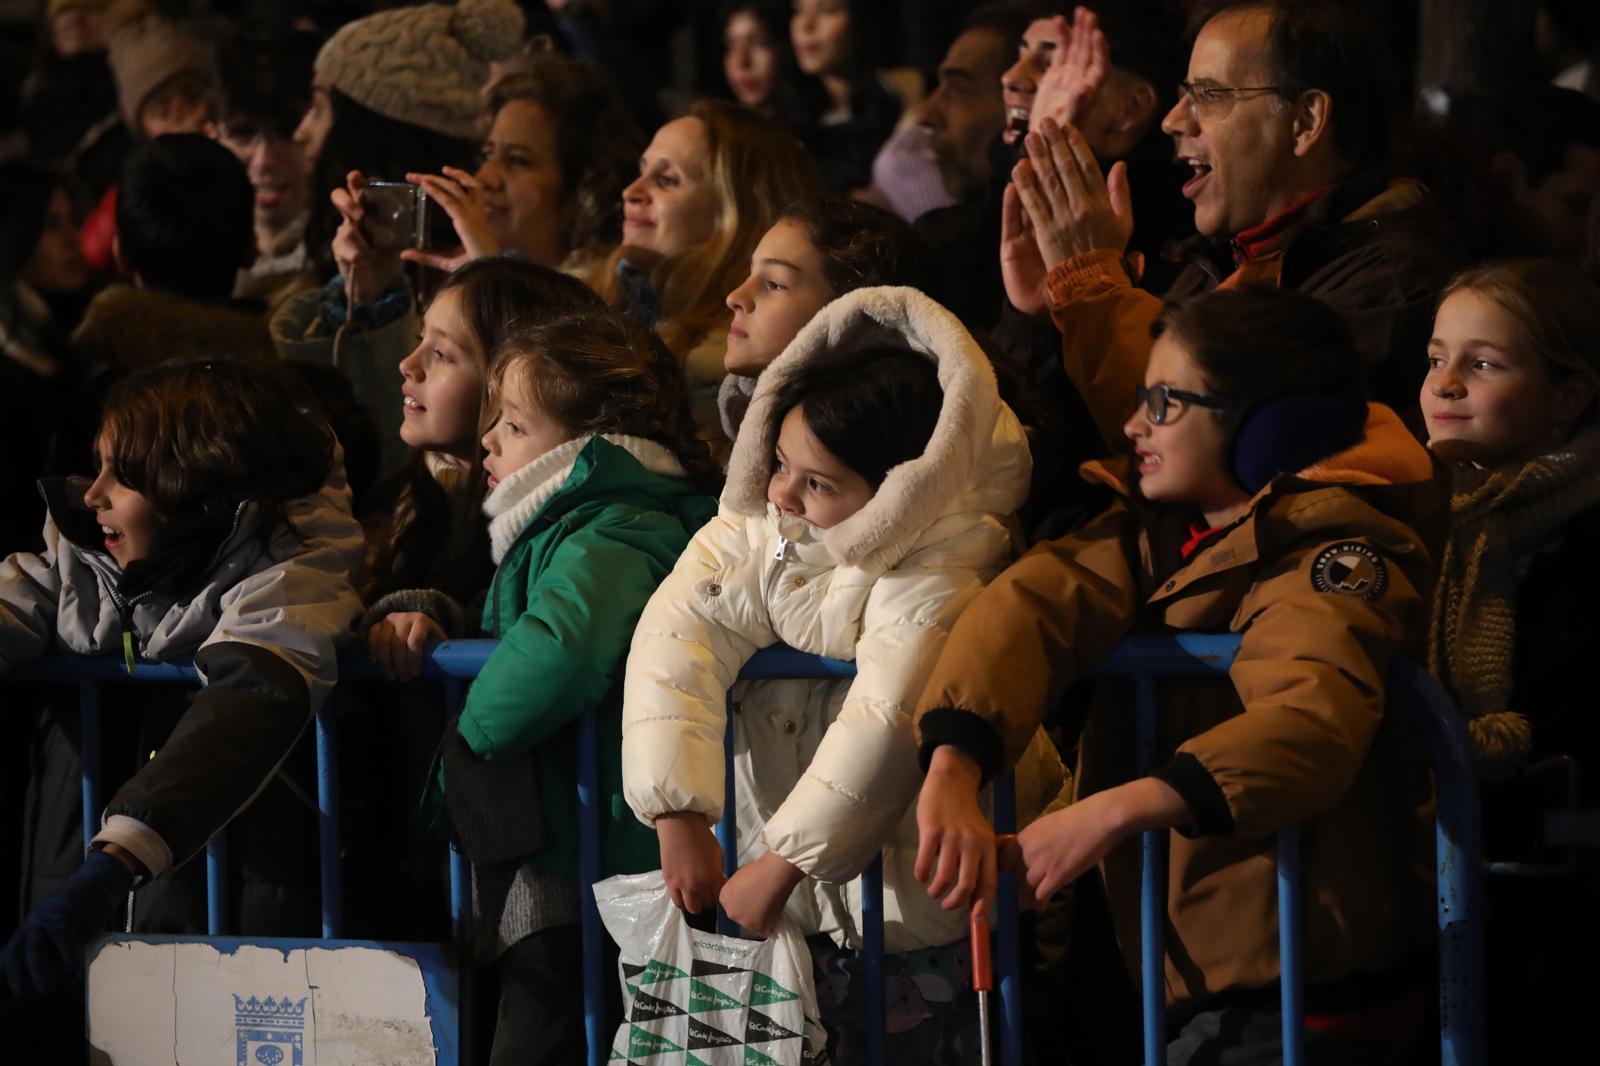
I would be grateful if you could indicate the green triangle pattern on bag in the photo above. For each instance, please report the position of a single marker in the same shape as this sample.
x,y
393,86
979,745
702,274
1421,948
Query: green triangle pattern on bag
x,y
659,971
643,1043
702,997
752,1057
764,990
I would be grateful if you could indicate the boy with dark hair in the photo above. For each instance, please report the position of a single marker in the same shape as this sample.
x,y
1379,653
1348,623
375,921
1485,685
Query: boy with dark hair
x,y
184,231
261,89
184,217
161,67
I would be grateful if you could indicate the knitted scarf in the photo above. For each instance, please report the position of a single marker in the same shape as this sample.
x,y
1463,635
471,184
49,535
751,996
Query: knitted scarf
x,y
1500,516
513,503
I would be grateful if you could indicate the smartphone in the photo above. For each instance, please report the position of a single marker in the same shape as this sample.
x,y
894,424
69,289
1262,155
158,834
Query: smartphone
x,y
395,215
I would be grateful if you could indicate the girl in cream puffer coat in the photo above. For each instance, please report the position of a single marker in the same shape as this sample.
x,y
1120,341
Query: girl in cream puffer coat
x,y
825,771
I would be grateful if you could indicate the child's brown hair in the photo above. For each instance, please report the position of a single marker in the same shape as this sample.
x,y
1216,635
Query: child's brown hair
x,y
207,435
595,372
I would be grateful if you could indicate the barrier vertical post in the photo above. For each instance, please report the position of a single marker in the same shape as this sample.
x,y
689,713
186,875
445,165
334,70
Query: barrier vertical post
x,y
872,959
461,904
1291,965
1009,945
217,917
90,742
594,996
1152,891
728,826
328,839
1459,844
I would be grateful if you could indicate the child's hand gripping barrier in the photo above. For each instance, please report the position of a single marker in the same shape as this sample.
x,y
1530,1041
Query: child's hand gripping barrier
x,y
691,997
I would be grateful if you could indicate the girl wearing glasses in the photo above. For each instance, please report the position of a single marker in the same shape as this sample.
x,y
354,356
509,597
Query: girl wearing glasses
x,y
1264,498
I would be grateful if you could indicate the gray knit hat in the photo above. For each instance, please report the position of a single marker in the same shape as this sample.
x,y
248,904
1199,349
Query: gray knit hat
x,y
146,51
425,64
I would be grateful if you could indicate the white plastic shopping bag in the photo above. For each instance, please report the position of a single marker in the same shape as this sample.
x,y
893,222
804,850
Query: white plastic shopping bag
x,y
700,998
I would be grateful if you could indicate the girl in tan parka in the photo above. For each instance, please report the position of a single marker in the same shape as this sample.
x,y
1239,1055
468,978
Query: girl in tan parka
x,y
1263,499
836,559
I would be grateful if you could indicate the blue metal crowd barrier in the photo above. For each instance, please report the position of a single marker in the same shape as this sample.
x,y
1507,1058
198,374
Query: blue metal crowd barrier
x,y
1458,850
1145,660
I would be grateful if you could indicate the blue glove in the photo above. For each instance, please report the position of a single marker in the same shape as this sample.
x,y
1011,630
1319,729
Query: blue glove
x,y
46,952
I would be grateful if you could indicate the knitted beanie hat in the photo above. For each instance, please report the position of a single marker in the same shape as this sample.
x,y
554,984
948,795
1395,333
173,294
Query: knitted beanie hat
x,y
425,64
146,51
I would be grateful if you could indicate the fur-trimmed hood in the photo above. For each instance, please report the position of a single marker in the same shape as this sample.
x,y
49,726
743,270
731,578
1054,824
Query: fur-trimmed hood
x,y
129,328
977,459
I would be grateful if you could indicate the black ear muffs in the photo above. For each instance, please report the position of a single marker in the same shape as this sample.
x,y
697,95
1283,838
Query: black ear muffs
x,y
1286,434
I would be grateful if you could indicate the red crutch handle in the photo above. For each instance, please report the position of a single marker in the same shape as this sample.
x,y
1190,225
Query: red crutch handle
x,y
982,971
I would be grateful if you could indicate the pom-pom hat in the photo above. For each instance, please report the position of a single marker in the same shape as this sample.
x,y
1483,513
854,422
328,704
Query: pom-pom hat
x,y
424,65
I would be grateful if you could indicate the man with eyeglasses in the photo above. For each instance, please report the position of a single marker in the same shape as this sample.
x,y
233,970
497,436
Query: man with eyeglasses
x,y
1283,123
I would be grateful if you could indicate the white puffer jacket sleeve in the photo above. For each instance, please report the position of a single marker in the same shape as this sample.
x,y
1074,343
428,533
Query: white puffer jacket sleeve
x,y
865,772
704,622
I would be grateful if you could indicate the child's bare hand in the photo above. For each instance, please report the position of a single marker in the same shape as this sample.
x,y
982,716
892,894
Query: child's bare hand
x,y
367,271
399,643
460,194
691,860
754,897
1059,848
955,841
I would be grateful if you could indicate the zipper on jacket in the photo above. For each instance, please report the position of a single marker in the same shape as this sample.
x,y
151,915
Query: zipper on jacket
x,y
125,607
780,556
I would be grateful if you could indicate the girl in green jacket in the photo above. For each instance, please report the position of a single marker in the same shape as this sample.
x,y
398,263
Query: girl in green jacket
x,y
596,483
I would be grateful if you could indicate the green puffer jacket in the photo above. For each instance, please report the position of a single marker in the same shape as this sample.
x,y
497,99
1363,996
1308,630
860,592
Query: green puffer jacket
x,y
581,538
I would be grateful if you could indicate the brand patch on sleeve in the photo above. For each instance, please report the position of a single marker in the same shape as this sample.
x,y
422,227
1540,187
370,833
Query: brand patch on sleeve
x,y
1350,569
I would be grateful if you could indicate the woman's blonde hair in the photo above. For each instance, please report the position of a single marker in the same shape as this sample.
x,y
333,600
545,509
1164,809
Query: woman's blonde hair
x,y
758,169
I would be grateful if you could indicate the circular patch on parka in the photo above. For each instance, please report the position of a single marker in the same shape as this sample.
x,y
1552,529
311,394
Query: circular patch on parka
x,y
1350,569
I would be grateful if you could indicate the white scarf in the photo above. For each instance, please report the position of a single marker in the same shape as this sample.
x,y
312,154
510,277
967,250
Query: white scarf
x,y
515,501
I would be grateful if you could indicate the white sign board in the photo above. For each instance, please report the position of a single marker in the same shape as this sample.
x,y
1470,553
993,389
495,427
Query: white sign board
x,y
159,1002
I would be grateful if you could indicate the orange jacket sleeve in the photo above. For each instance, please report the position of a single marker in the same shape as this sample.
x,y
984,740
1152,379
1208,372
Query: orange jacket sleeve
x,y
1105,335
1055,612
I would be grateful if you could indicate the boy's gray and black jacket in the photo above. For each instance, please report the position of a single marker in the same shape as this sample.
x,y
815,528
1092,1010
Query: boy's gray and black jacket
x,y
263,627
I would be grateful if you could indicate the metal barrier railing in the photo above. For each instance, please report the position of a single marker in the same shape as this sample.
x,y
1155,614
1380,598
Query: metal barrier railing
x,y
1145,660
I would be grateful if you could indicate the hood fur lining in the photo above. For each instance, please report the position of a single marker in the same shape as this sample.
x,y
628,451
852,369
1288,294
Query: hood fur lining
x,y
965,465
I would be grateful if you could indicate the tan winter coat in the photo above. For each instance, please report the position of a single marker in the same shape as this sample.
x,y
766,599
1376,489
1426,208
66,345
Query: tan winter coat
x,y
827,771
1325,579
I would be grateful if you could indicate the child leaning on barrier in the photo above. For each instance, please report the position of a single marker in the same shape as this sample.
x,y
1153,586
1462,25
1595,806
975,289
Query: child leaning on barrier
x,y
1266,499
427,542
595,485
1509,400
218,527
863,511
